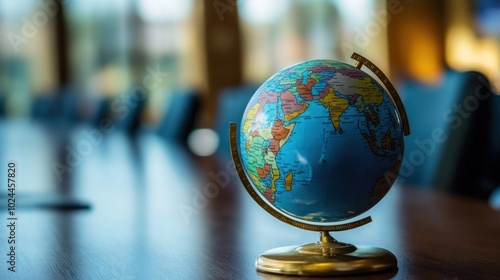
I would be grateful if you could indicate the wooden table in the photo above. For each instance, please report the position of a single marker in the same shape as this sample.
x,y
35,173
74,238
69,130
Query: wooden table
x,y
147,221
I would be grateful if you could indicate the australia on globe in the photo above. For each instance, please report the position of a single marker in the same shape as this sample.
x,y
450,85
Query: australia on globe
x,y
321,141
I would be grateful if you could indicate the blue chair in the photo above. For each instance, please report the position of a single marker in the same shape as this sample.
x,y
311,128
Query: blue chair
x,y
128,117
58,108
45,108
449,136
3,101
69,103
100,111
491,179
180,116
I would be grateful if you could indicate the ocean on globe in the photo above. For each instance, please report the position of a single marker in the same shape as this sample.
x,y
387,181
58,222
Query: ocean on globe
x,y
321,141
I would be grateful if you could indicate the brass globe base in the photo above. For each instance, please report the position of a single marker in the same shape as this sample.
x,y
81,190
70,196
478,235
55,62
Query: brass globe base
x,y
288,260
327,257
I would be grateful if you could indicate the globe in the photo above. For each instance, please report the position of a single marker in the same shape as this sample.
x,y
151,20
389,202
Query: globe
x,y
321,142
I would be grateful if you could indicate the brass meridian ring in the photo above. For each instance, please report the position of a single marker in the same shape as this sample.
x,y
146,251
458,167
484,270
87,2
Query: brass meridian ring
x,y
361,60
280,216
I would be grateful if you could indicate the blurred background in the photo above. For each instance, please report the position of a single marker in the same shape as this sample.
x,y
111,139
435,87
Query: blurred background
x,y
181,70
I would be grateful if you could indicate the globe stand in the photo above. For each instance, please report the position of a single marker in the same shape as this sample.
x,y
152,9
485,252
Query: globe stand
x,y
327,257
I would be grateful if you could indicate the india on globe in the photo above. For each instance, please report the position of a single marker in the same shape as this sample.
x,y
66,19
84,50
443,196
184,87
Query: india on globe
x,y
321,141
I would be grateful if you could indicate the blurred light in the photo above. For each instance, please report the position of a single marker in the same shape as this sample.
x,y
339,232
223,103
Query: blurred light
x,y
424,56
203,142
261,11
110,80
16,9
164,10
464,51
357,11
92,8
495,198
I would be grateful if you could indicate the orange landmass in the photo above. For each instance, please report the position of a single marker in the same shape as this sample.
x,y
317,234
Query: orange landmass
x,y
372,117
274,146
305,90
254,133
279,131
262,172
386,141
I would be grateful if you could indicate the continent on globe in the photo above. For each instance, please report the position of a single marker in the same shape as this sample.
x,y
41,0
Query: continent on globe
x,y
320,139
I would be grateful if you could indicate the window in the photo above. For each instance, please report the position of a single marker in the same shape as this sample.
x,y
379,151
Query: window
x,y
280,33
27,57
111,46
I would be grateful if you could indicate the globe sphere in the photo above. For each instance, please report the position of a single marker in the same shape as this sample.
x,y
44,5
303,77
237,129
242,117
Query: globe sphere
x,y
321,141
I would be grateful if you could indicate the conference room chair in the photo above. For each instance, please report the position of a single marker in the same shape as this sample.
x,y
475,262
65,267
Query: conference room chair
x,y
180,116
450,136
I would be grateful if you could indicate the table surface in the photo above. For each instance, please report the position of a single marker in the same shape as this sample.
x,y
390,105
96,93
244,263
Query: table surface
x,y
149,218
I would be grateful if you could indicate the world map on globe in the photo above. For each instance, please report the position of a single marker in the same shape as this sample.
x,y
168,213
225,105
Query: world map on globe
x,y
321,141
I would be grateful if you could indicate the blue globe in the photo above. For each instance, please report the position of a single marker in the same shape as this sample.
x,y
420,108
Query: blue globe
x,y
321,141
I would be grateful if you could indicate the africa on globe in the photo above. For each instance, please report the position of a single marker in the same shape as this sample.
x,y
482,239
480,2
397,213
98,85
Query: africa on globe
x,y
321,141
